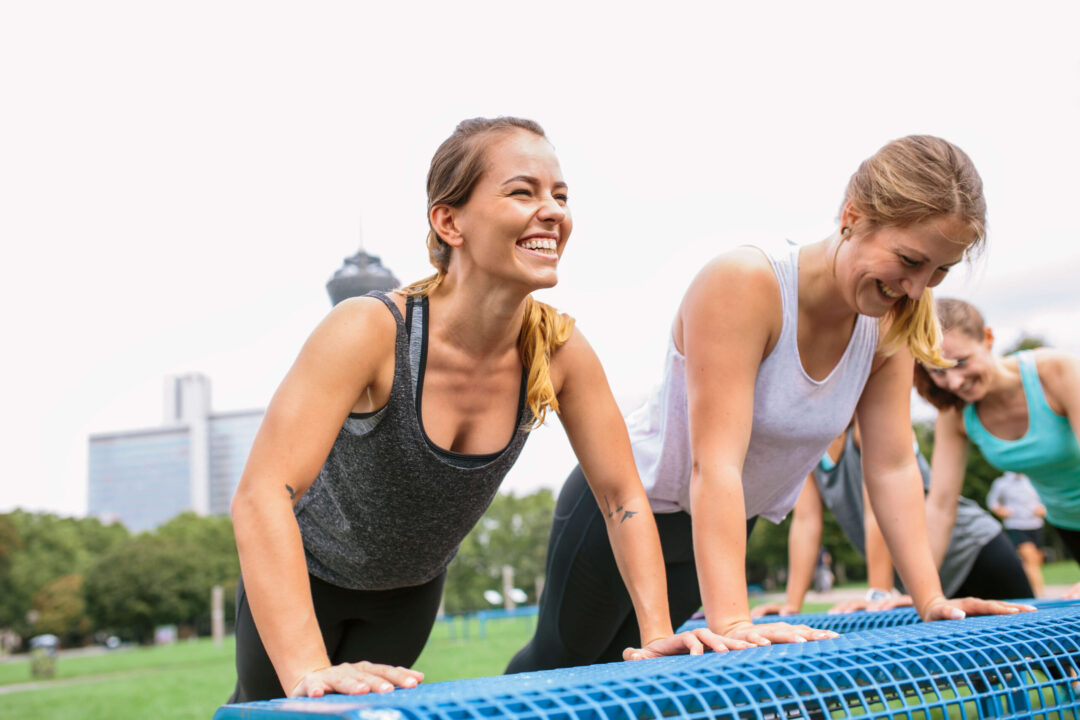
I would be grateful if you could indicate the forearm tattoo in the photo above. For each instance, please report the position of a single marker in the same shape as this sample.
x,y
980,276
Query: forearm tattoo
x,y
292,493
626,514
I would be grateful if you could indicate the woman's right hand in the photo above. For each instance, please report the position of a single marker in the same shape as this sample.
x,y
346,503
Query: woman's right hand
x,y
355,679
769,633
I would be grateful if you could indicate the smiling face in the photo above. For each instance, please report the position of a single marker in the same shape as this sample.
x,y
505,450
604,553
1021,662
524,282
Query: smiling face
x,y
516,221
878,267
971,376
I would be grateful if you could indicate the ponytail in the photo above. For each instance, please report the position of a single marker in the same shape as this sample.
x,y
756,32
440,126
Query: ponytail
x,y
914,324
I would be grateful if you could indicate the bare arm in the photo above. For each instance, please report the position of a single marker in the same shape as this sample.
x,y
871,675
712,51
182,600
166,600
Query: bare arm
x,y
727,321
341,361
892,478
600,441
804,541
946,480
879,567
894,484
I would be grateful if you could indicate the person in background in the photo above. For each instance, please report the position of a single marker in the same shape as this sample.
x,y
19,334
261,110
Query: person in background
x,y
1022,411
1013,499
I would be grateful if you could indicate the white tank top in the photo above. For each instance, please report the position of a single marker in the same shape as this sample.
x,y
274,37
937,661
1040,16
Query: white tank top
x,y
795,416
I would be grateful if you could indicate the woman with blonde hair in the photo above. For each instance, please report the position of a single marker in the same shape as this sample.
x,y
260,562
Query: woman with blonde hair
x,y
769,357
392,431
1022,411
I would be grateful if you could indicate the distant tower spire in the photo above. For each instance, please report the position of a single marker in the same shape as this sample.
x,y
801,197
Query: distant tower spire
x,y
359,274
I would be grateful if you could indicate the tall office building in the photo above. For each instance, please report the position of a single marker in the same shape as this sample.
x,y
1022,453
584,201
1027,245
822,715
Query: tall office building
x,y
193,461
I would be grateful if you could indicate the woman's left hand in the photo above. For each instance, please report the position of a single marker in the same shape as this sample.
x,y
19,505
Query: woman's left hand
x,y
1072,593
692,642
960,608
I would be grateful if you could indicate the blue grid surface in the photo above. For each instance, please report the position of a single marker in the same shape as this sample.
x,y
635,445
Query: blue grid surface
x,y
861,620
1013,666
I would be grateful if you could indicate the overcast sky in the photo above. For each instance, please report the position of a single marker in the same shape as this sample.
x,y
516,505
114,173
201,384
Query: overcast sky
x,y
179,180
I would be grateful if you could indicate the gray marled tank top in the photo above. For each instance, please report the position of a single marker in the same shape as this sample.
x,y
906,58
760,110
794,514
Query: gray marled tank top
x,y
390,508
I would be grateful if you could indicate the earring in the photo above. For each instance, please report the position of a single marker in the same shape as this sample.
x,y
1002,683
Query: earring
x,y
844,231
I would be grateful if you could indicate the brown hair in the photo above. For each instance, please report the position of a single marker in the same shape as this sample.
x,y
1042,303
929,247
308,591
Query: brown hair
x,y
456,167
957,315
911,180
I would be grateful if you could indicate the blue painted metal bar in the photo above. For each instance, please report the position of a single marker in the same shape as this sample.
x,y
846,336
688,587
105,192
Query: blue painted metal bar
x,y
861,620
1013,666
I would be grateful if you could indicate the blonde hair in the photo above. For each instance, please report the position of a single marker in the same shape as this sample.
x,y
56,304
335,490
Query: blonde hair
x,y
456,167
952,314
911,180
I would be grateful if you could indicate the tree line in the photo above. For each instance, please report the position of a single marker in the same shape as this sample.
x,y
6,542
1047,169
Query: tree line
x,y
83,580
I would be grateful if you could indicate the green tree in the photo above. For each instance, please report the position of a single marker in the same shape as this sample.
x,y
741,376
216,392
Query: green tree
x,y
514,531
145,582
165,577
48,547
10,543
61,609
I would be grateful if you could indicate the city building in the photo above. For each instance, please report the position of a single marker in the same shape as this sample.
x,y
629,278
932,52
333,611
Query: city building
x,y
192,462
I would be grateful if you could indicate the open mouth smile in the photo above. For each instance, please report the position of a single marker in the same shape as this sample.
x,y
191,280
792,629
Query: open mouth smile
x,y
545,247
888,292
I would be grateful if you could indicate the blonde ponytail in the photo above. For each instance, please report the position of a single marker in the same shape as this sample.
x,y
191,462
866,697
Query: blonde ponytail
x,y
914,324
543,330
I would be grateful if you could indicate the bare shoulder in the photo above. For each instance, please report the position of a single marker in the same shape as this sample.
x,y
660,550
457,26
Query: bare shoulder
x,y
1059,373
572,358
737,292
360,326
735,272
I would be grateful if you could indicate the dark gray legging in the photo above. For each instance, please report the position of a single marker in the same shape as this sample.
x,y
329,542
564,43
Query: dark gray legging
x,y
381,626
586,615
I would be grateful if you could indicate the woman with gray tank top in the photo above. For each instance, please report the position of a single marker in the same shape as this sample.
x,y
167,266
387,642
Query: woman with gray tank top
x,y
769,357
390,434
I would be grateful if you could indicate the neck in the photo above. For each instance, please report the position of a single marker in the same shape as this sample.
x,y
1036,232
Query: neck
x,y
1003,382
819,290
480,319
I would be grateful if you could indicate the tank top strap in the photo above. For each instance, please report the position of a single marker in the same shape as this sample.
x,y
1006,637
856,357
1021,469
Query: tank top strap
x,y
380,295
416,328
1033,390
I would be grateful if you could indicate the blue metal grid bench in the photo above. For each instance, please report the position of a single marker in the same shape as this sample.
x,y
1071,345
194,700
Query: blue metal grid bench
x,y
859,621
1015,666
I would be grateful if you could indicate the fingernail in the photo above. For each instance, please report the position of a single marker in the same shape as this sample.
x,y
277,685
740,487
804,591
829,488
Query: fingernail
x,y
409,682
385,687
800,638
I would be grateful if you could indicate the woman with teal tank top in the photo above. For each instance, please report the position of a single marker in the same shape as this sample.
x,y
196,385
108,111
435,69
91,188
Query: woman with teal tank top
x,y
1022,411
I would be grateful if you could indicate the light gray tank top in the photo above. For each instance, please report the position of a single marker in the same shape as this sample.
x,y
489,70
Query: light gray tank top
x,y
795,416
390,508
842,492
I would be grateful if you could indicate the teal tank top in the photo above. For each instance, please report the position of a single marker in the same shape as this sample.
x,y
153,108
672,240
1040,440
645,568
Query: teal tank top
x,y
1047,453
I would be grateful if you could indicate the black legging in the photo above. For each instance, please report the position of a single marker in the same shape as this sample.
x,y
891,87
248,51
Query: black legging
x,y
997,573
381,626
586,615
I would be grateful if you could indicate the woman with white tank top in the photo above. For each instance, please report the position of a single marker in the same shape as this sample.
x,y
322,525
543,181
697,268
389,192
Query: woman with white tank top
x,y
769,357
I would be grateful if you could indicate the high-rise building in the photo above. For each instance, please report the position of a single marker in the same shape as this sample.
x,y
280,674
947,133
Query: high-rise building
x,y
193,461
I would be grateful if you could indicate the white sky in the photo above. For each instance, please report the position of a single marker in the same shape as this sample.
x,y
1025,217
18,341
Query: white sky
x,y
179,180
